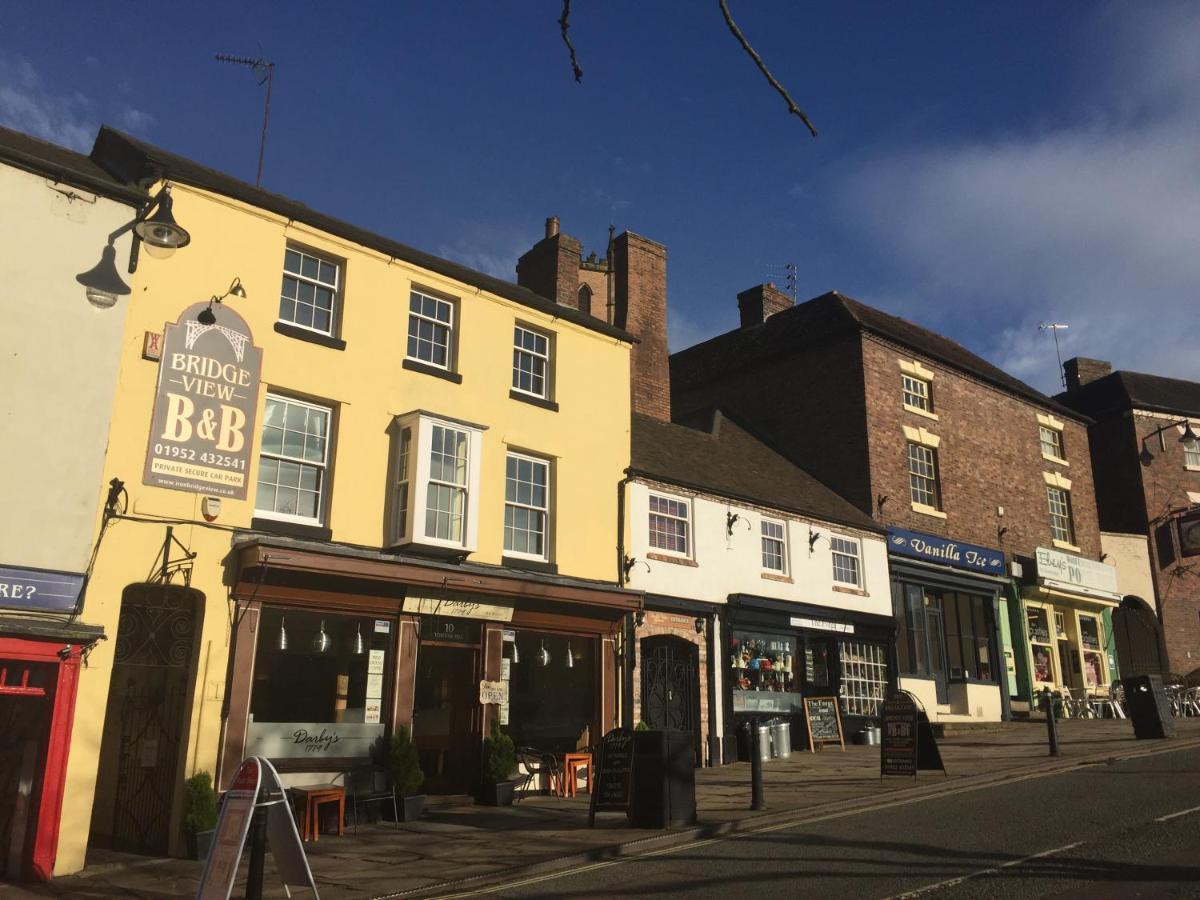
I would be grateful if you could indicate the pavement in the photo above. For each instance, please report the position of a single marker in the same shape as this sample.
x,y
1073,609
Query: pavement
x,y
459,846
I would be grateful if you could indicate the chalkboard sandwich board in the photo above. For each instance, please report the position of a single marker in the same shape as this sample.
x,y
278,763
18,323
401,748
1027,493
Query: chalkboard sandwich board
x,y
614,774
907,742
824,720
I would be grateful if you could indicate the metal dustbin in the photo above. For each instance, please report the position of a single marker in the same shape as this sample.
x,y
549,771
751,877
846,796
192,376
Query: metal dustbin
x,y
781,738
1149,707
764,742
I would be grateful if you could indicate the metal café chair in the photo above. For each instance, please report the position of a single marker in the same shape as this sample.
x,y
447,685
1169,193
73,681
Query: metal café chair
x,y
370,784
1100,701
537,764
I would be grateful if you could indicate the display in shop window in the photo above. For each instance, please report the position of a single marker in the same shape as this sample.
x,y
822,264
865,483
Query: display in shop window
x,y
1042,667
764,675
1039,631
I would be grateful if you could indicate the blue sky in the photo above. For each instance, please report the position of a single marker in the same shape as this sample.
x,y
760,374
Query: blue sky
x,y
981,167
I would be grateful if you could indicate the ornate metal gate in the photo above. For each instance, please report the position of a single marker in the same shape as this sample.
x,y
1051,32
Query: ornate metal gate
x,y
670,685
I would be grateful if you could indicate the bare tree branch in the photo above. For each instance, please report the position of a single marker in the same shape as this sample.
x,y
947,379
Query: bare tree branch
x,y
564,24
762,67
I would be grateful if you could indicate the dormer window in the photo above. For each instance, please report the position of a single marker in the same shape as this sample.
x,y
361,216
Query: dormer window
x,y
435,482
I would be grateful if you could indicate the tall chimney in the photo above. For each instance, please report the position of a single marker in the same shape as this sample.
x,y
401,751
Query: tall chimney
x,y
551,267
640,297
1080,371
759,303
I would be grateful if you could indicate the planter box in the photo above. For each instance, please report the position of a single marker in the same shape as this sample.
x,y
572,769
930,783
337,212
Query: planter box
x,y
500,794
198,844
409,808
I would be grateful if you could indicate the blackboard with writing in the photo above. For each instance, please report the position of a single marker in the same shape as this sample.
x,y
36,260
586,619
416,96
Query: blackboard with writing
x,y
614,774
824,720
907,742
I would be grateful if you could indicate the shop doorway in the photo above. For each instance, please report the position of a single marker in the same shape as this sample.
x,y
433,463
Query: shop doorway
x,y
1139,640
26,700
671,685
447,716
935,629
145,728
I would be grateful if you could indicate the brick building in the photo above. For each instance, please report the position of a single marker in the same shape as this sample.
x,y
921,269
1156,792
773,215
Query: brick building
x,y
1146,460
983,483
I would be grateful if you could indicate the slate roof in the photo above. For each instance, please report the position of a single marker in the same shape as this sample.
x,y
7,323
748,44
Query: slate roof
x,y
824,320
725,459
135,161
63,165
1136,390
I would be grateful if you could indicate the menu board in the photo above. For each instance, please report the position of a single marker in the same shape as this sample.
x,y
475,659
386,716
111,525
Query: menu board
x,y
614,774
898,737
824,721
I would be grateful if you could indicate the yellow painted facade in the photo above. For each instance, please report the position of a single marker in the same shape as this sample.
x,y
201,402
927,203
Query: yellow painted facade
x,y
365,383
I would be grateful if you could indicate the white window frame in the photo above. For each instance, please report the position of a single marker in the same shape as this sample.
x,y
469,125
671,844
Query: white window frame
x,y
1056,452
322,466
1191,454
519,351
450,326
686,519
835,554
545,510
412,529
781,540
335,286
864,677
1052,493
920,389
934,463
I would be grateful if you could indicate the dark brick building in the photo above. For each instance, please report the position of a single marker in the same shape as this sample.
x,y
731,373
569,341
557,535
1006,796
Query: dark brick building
x,y
1147,473
946,450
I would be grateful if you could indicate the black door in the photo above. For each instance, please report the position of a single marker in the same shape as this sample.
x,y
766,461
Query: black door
x,y
446,717
671,685
936,632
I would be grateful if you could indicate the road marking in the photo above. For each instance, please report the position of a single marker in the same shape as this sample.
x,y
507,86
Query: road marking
x,y
1176,815
951,882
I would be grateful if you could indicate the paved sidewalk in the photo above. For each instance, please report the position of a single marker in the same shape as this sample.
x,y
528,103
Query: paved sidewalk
x,y
453,844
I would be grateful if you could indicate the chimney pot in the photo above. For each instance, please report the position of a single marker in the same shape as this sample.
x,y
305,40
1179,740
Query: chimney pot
x,y
551,226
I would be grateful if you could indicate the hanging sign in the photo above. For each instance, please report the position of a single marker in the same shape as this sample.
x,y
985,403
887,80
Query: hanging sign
x,y
458,607
614,774
936,549
824,721
39,589
493,692
202,435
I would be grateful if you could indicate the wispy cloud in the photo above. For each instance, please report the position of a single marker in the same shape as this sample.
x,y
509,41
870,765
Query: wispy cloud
x,y
27,104
1094,222
493,251
136,120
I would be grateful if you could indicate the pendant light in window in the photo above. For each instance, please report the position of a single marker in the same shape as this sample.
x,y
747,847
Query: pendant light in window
x,y
516,654
570,657
320,641
544,656
282,634
359,647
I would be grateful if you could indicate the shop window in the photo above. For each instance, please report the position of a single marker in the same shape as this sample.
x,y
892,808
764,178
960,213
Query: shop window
x,y
435,482
526,506
912,641
1092,647
846,568
319,684
552,690
764,677
1041,646
669,525
816,664
294,459
967,623
431,330
923,475
531,362
864,677
310,290
774,546
1061,525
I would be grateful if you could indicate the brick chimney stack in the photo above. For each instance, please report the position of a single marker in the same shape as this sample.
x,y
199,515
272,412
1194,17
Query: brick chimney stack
x,y
1080,371
551,267
759,303
640,273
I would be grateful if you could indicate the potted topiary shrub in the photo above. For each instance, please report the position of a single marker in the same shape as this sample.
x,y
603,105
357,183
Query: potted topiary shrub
x,y
499,763
200,814
407,776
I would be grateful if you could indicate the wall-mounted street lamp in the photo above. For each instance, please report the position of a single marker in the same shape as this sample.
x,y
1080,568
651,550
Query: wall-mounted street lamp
x,y
206,316
1188,436
161,234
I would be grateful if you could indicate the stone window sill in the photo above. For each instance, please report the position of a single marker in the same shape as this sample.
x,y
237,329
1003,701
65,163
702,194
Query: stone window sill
x,y
1063,545
313,337
921,412
858,592
673,560
413,366
291,529
782,579
533,401
1191,468
1055,459
928,511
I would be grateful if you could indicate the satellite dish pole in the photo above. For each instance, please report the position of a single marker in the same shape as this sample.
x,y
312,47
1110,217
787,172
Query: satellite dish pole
x,y
1054,328
264,70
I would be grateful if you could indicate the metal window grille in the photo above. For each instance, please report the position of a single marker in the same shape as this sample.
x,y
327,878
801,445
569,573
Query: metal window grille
x,y
917,393
294,459
1060,514
430,329
531,362
923,475
446,497
864,678
669,525
774,548
845,561
310,288
1051,442
526,506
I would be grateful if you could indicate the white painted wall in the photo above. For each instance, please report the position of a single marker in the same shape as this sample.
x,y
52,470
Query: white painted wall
x,y
1129,554
58,367
732,563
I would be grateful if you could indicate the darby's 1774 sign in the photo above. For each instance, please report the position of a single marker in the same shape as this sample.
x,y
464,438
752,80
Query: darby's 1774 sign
x,y
204,408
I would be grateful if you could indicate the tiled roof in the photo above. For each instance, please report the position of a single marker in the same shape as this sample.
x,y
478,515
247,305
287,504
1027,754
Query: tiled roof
x,y
63,165
1136,390
823,321
135,161
725,459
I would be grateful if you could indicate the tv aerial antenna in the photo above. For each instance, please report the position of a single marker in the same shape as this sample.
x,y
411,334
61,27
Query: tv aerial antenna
x,y
1054,327
787,274
264,71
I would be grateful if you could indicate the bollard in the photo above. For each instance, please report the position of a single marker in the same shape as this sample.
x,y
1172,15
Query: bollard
x,y
1051,729
756,785
258,853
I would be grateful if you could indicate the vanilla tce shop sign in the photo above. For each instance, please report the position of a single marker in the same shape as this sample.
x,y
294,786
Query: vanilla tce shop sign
x,y
204,407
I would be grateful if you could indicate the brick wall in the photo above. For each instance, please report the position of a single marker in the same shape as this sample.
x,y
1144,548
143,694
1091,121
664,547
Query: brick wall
x,y
989,456
759,303
551,269
640,272
680,626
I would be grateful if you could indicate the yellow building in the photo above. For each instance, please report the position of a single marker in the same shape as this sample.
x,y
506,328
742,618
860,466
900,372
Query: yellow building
x,y
363,482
